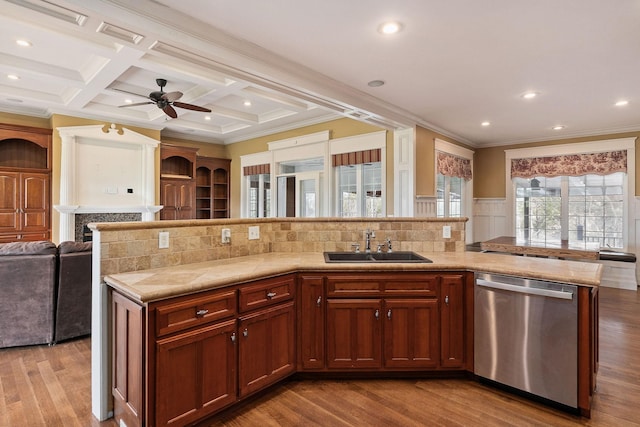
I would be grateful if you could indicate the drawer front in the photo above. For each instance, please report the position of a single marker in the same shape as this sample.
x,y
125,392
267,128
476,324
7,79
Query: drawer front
x,y
412,284
196,311
266,293
355,285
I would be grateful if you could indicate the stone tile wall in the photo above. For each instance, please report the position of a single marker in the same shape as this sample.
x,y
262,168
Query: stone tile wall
x,y
134,246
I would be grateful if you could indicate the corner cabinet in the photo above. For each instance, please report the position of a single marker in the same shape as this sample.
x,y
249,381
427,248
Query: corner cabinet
x,y
180,360
25,183
212,187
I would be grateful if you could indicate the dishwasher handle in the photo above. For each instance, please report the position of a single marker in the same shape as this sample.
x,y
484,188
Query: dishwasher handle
x,y
525,290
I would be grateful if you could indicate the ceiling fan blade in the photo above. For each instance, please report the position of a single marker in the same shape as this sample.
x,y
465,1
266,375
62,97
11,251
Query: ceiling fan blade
x,y
172,96
191,107
137,103
169,111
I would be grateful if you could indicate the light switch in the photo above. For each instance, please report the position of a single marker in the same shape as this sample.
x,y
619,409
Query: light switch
x,y
446,232
254,232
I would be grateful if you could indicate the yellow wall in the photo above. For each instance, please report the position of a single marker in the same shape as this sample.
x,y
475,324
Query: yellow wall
x,y
489,163
339,128
16,119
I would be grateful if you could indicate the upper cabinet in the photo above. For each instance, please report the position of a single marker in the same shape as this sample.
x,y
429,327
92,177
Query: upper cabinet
x,y
191,186
25,183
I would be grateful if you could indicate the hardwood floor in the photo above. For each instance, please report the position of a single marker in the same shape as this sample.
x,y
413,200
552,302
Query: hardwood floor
x,y
50,386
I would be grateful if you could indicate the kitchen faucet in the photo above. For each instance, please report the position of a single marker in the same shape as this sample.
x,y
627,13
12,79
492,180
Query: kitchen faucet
x,y
368,235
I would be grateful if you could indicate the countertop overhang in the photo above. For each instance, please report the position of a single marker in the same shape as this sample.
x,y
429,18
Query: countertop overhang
x,y
156,284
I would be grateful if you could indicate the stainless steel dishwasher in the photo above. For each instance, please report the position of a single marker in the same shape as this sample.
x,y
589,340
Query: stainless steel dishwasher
x,y
526,335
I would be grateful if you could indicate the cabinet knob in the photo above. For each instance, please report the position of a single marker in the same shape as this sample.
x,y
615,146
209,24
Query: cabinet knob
x,y
233,337
377,314
319,301
202,312
245,333
271,295
446,299
389,314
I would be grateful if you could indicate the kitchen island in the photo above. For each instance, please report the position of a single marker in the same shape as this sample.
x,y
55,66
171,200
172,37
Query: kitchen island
x,y
229,328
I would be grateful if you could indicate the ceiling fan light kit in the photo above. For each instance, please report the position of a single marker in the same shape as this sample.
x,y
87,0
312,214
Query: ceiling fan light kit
x,y
167,100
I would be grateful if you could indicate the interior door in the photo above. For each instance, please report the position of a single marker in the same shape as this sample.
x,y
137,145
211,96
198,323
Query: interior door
x,y
299,195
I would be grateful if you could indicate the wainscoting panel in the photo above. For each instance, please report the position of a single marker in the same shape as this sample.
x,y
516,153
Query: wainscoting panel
x,y
489,219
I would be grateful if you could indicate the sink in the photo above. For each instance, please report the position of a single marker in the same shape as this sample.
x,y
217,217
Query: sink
x,y
396,257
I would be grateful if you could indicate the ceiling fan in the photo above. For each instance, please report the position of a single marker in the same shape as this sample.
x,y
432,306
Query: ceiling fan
x,y
167,100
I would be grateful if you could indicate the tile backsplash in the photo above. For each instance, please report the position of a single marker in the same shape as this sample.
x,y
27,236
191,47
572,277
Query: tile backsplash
x,y
133,246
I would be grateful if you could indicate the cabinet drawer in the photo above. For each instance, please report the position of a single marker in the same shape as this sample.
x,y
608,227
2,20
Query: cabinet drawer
x,y
354,286
266,292
412,284
176,316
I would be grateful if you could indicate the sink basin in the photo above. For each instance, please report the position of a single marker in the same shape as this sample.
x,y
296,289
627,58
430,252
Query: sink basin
x,y
374,257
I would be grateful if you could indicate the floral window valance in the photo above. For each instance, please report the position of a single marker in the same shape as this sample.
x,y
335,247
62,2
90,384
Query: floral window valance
x,y
570,165
449,165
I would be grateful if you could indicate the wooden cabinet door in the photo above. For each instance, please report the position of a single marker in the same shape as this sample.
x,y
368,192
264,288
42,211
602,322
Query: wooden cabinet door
x,y
411,337
9,202
195,373
266,347
177,198
354,338
311,320
452,321
35,202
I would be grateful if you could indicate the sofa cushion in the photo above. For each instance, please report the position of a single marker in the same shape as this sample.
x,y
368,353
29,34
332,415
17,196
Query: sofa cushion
x,y
28,248
69,247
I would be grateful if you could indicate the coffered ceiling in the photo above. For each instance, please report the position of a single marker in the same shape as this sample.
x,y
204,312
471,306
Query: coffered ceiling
x,y
266,66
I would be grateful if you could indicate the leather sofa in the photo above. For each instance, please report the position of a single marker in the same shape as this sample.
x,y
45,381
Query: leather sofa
x,y
45,292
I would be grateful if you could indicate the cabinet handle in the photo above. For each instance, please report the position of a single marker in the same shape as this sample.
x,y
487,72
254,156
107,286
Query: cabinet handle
x,y
319,301
271,295
389,314
245,333
377,314
446,299
202,312
233,337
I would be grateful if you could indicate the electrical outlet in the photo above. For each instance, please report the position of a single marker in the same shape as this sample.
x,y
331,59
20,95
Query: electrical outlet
x,y
163,239
254,232
446,232
226,235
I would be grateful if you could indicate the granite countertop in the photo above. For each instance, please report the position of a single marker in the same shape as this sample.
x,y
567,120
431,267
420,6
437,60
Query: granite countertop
x,y
160,283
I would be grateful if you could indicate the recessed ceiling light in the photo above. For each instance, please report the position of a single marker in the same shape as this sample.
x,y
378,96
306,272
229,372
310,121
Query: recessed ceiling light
x,y
558,127
207,118
128,101
23,43
485,124
390,28
247,103
13,77
622,103
375,83
529,95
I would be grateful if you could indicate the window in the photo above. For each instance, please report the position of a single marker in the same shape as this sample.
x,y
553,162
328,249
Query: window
x,y
450,194
259,195
359,190
573,192
584,210
454,174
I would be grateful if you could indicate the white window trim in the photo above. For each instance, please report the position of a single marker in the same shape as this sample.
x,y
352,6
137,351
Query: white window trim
x,y
628,144
467,205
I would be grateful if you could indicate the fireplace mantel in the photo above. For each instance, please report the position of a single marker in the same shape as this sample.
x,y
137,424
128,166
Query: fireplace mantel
x,y
105,171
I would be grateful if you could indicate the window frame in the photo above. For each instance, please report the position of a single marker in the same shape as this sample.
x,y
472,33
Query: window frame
x,y
628,144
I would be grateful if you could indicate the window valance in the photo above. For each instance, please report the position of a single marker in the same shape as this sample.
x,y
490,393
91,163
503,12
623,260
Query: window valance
x,y
356,157
570,165
449,165
257,169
